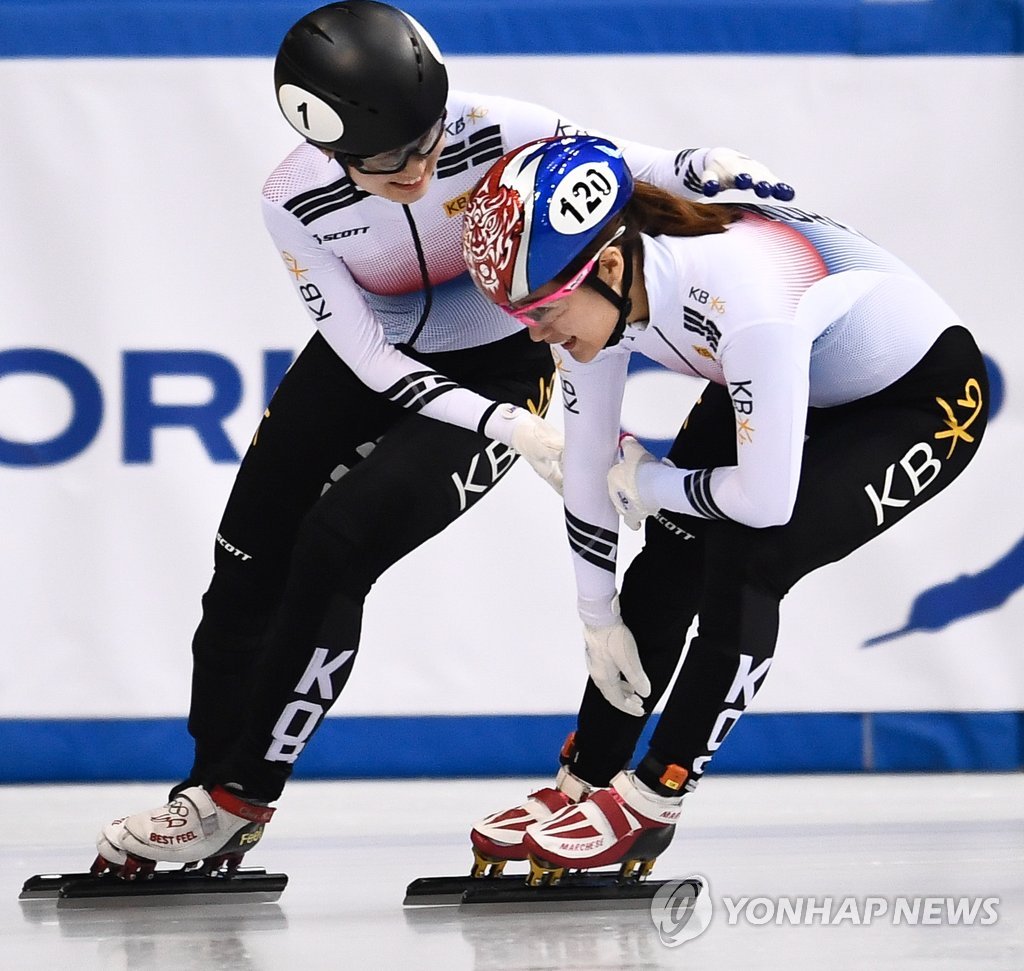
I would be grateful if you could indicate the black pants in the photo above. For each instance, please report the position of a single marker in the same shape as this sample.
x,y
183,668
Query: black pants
x,y
866,465
337,486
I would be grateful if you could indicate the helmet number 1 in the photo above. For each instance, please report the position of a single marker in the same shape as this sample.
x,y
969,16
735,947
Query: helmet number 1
x,y
309,115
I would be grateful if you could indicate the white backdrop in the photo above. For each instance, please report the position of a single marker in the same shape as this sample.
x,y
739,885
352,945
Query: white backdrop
x,y
129,221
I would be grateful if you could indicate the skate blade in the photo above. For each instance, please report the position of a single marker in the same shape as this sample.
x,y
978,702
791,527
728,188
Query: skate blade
x,y
577,890
434,891
77,890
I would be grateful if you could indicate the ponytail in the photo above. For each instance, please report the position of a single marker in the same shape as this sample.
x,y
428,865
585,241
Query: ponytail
x,y
655,212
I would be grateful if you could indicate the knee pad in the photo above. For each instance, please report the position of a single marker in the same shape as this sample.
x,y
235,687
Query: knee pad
x,y
324,556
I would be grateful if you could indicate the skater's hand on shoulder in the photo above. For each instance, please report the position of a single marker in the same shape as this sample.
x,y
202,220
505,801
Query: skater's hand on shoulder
x,y
725,168
614,665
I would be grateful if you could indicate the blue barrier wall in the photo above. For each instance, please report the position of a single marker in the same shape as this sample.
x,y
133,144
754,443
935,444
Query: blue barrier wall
x,y
79,750
194,28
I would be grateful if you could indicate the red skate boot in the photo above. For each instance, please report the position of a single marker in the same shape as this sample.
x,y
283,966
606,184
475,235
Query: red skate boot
x,y
627,823
498,838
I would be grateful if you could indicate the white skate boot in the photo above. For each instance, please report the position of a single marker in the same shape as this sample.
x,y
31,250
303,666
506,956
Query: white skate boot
x,y
214,829
627,823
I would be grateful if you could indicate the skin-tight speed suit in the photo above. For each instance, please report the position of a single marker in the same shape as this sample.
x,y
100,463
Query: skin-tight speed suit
x,y
843,393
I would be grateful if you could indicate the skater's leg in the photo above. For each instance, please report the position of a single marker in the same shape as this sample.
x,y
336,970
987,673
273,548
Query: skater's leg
x,y
850,454
748,571
606,736
321,419
408,488
671,559
661,590
421,477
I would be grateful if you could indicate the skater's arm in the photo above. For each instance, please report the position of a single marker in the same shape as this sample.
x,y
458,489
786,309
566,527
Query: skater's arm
x,y
337,308
766,372
592,394
592,398
692,173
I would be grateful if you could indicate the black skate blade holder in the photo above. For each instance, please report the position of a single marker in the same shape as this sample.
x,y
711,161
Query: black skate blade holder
x,y
68,890
577,890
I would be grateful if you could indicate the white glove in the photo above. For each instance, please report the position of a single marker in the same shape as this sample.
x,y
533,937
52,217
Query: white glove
x,y
538,441
725,168
611,657
622,487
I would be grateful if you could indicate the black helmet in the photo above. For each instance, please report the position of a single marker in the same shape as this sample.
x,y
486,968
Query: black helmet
x,y
360,78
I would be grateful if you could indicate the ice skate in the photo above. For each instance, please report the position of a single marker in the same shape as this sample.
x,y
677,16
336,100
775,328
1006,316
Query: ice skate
x,y
211,830
626,824
498,838
206,833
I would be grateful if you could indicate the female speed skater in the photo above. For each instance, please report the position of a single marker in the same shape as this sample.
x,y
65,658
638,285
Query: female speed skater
x,y
843,393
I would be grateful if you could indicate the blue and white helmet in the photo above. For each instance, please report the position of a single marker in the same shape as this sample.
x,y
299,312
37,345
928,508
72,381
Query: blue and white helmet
x,y
538,209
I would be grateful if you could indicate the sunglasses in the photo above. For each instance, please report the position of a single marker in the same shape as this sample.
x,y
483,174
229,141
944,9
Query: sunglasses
x,y
387,163
533,313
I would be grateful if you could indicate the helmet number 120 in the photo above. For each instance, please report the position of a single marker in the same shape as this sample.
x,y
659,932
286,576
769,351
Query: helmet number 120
x,y
587,198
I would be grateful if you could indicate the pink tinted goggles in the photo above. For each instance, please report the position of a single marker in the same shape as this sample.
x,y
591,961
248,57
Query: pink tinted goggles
x,y
531,313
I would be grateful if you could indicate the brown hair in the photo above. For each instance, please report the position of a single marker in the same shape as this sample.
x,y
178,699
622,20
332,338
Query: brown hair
x,y
656,212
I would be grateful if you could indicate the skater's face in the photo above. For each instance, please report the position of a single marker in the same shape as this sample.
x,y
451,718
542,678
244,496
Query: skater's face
x,y
416,166
578,319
